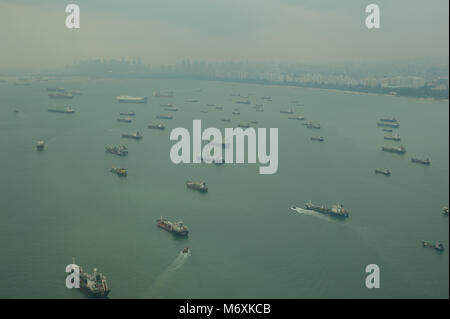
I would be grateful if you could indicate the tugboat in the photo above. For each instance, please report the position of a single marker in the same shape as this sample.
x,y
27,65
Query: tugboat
x,y
383,171
40,145
317,138
176,228
136,136
335,210
122,172
186,250
158,127
421,161
94,285
120,150
393,138
438,246
199,186
398,150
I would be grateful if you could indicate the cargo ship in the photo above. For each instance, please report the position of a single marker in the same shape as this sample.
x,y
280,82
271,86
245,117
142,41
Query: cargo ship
x,y
393,138
421,161
176,228
40,145
385,124
158,127
389,120
172,109
127,113
259,110
119,171
199,186
192,100
315,126
163,94
317,138
136,136
94,285
131,99
126,120
335,210
236,113
243,102
383,172
226,120
61,90
244,125
67,110
267,98
120,150
62,95
387,130
163,116
395,149
298,117
438,246
166,105
287,111
203,111
219,107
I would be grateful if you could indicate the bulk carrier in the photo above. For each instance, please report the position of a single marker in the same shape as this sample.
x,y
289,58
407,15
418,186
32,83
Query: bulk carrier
x,y
335,210
131,99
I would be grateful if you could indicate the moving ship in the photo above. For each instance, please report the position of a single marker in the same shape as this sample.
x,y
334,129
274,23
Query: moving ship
x,y
393,138
199,186
176,228
136,136
94,285
383,171
164,116
158,126
186,250
394,149
67,110
131,99
421,161
120,150
119,171
40,145
126,120
438,246
335,210
128,113
317,138
394,125
62,95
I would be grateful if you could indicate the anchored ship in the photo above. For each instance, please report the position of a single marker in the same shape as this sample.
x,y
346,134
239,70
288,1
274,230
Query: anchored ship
x,y
394,125
166,105
120,150
298,117
163,94
163,116
61,90
390,120
158,126
126,120
67,110
267,98
243,102
335,210
62,95
136,136
219,107
192,100
236,113
128,113
176,228
172,109
394,149
317,138
438,246
383,171
316,126
287,111
244,125
226,120
40,145
95,284
387,130
119,171
421,161
199,186
393,138
131,99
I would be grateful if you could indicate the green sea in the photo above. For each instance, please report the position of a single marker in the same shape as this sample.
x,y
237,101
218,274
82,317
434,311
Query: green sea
x,y
245,241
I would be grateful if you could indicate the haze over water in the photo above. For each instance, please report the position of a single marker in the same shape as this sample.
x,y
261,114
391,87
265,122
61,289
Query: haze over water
x,y
245,240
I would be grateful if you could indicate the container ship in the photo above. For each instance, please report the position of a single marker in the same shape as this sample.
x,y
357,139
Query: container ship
x,y
421,161
63,95
94,285
131,99
120,150
163,116
67,110
383,172
136,136
199,186
393,138
40,145
335,210
386,124
158,126
176,228
395,149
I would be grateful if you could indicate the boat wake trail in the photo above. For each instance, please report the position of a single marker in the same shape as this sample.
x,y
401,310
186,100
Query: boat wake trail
x,y
161,283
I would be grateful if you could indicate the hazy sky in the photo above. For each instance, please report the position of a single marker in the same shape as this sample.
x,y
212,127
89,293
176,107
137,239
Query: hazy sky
x,y
33,33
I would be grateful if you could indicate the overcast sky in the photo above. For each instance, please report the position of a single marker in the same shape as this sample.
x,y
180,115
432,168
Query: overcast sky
x,y
33,33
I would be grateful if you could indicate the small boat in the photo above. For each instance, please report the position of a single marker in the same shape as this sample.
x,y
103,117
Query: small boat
x,y
438,246
445,210
185,250
40,145
119,171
